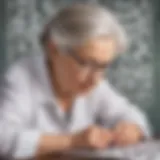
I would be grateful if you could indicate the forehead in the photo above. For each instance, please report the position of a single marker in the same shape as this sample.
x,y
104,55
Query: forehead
x,y
98,49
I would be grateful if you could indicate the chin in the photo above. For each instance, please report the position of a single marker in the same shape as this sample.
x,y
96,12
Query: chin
x,y
86,90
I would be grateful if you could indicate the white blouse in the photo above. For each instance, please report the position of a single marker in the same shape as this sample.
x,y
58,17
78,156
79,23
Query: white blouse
x,y
29,109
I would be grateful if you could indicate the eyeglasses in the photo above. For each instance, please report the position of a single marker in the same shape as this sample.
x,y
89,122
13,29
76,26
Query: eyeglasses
x,y
88,65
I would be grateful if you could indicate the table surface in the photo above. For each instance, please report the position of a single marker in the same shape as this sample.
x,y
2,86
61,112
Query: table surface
x,y
149,150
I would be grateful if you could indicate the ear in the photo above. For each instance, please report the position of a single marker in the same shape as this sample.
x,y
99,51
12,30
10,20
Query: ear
x,y
51,47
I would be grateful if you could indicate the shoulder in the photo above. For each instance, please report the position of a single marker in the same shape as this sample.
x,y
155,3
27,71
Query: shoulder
x,y
106,92
99,92
24,68
103,88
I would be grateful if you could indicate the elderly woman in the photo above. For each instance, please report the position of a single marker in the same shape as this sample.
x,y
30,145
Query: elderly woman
x,y
59,100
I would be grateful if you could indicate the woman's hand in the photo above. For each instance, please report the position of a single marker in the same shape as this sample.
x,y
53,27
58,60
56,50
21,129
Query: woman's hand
x,y
94,137
126,134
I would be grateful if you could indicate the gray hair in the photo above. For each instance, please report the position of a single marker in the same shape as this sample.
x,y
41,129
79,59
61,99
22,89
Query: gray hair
x,y
77,23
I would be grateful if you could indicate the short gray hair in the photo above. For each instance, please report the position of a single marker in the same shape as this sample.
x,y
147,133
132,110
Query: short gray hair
x,y
77,23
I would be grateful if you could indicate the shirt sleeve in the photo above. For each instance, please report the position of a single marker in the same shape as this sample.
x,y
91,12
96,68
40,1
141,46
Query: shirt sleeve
x,y
115,108
17,139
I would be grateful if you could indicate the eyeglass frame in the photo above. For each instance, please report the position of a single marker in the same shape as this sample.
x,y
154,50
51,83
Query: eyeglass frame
x,y
87,65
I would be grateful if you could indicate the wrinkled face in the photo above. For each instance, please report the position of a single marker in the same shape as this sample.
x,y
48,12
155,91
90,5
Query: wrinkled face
x,y
80,69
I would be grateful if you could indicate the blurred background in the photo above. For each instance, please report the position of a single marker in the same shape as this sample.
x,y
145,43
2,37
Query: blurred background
x,y
136,74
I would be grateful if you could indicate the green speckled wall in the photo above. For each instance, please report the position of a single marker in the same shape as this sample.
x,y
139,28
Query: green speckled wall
x,y
2,35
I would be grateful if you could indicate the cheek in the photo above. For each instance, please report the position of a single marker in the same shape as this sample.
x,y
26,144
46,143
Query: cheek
x,y
77,77
82,77
72,73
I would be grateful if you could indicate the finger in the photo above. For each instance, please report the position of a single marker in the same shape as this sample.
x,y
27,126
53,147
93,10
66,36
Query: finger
x,y
101,139
126,138
95,138
120,136
107,137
